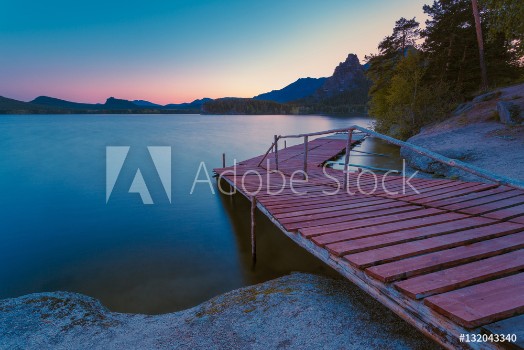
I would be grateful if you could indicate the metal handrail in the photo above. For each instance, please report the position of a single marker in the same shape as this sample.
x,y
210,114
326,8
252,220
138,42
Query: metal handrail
x,y
501,180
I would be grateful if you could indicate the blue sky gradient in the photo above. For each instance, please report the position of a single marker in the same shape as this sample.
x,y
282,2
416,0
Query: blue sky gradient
x,y
178,50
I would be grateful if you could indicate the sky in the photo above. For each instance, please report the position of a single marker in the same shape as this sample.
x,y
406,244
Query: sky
x,y
172,51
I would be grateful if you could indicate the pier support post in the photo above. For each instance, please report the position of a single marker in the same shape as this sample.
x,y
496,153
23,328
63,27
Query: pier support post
x,y
346,158
223,160
276,152
253,234
232,195
285,144
231,188
305,156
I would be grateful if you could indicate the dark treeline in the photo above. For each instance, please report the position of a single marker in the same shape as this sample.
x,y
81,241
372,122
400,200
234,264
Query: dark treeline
x,y
247,106
342,103
419,76
46,105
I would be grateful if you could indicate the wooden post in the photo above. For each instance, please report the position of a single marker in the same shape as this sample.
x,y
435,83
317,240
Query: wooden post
x,y
223,160
276,152
271,149
232,188
285,143
253,235
305,156
480,42
346,159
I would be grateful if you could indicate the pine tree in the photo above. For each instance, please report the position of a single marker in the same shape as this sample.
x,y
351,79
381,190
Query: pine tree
x,y
506,17
480,41
450,41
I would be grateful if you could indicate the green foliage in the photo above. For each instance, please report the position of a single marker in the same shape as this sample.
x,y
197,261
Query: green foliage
x,y
417,85
506,17
406,101
354,100
451,46
405,33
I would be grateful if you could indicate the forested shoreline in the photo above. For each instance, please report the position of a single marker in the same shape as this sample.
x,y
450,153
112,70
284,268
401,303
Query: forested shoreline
x,y
420,75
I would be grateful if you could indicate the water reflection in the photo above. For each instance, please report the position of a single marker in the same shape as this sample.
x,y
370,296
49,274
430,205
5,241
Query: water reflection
x,y
276,253
58,233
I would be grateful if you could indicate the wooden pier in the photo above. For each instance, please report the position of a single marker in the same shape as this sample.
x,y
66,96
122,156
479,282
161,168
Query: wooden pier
x,y
447,257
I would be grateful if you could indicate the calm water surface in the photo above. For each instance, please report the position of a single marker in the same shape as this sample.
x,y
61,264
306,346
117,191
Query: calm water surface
x,y
58,233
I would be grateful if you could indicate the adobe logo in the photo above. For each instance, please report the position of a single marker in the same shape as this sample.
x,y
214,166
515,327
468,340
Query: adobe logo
x,y
115,159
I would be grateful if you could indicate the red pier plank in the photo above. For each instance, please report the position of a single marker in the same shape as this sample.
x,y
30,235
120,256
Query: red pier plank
x,y
482,303
405,250
438,260
461,276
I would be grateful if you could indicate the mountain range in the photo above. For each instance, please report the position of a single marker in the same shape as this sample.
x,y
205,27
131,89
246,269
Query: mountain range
x,y
345,91
301,88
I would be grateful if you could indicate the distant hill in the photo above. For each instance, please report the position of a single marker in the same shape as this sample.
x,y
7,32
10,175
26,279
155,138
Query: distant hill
x,y
115,103
196,104
301,88
10,106
346,91
111,104
246,106
143,103
8,103
56,102
51,105
348,76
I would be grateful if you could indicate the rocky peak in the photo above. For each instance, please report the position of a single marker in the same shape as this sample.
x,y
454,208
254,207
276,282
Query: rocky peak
x,y
348,75
115,103
351,64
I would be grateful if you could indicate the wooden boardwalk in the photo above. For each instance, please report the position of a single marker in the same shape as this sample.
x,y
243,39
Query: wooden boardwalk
x,y
448,259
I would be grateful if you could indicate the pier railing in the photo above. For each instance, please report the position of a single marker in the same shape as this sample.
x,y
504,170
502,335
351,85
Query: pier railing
x,y
499,179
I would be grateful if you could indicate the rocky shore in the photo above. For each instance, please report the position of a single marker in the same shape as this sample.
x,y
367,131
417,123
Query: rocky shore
x,y
487,132
298,311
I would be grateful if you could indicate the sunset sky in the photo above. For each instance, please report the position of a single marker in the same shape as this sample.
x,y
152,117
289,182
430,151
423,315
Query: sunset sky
x,y
171,51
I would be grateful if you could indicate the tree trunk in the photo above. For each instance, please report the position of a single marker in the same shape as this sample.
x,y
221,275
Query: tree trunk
x,y
448,60
461,68
478,27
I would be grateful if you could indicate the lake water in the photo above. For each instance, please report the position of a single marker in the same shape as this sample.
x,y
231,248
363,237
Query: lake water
x,y
58,233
